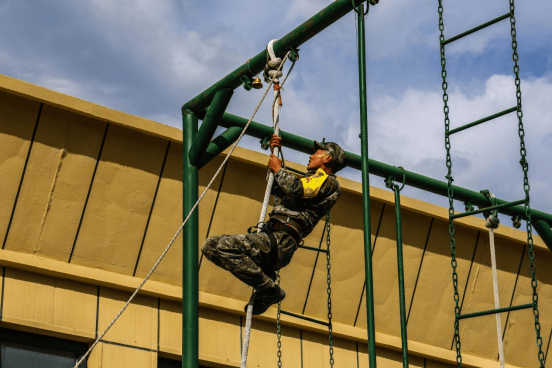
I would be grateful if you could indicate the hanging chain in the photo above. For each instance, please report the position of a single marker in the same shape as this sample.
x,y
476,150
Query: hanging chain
x,y
329,289
525,167
279,328
450,190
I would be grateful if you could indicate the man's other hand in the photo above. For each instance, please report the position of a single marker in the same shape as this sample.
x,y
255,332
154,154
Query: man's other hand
x,y
274,163
275,141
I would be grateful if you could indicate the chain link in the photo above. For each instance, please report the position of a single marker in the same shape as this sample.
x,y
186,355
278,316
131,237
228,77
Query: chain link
x,y
279,328
525,167
329,289
450,190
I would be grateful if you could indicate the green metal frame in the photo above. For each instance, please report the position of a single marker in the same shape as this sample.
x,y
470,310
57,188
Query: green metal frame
x,y
190,269
199,149
365,168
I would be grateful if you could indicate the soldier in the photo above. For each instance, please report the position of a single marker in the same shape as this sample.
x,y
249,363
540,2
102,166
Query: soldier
x,y
254,257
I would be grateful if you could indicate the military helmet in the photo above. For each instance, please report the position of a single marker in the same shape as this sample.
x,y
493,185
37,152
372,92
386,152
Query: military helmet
x,y
339,159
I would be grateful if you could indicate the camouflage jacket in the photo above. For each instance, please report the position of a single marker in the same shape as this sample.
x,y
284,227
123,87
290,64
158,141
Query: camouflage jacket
x,y
306,200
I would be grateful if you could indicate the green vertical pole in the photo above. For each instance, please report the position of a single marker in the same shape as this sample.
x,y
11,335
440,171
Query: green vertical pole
x,y
190,284
366,190
401,275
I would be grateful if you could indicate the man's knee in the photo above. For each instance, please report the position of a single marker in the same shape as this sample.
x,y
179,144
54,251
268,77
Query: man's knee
x,y
210,245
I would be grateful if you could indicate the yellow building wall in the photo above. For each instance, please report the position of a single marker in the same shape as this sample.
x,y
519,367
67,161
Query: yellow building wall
x,y
46,303
90,198
109,355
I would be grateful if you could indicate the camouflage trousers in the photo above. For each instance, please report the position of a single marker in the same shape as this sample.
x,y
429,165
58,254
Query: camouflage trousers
x,y
249,257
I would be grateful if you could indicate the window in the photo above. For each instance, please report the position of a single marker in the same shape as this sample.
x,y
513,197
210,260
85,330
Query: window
x,y
27,350
168,363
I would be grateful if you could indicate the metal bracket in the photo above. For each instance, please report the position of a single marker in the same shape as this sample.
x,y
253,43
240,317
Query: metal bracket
x,y
246,82
469,205
516,221
390,181
293,53
265,143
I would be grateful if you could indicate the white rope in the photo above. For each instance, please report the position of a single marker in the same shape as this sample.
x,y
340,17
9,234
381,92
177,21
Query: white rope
x,y
272,69
183,224
247,334
490,225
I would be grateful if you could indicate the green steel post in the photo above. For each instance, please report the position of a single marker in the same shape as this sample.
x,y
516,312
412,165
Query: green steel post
x,y
210,124
370,320
384,170
310,28
401,275
190,284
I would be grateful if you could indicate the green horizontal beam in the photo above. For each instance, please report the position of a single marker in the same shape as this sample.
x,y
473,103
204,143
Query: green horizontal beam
x,y
295,171
209,126
219,144
543,229
480,121
315,249
310,28
484,25
491,208
305,318
384,170
494,311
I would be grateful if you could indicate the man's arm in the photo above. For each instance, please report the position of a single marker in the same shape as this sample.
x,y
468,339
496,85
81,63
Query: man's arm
x,y
288,183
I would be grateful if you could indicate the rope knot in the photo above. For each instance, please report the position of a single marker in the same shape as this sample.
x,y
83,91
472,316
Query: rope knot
x,y
491,217
271,72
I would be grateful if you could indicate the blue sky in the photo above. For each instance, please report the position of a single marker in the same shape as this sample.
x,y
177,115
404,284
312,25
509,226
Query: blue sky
x,y
149,57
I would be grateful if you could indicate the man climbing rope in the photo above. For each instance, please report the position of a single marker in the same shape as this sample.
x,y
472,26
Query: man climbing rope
x,y
254,257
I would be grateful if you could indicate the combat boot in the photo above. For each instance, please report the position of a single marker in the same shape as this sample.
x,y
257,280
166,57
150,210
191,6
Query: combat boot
x,y
266,298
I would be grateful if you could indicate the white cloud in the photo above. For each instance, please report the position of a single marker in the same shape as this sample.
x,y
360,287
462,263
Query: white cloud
x,y
408,131
151,57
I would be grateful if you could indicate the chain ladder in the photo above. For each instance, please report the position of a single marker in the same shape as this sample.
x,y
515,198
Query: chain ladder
x,y
278,314
450,190
329,289
279,328
525,167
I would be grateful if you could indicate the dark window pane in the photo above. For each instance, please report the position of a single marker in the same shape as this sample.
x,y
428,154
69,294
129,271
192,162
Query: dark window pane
x,y
27,350
168,363
17,356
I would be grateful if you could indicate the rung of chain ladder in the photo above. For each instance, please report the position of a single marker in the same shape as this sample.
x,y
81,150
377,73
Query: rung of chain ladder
x,y
492,208
484,25
305,318
480,121
315,249
494,311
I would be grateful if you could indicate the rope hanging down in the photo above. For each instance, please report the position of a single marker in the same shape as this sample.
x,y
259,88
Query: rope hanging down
x,y
491,224
100,337
271,74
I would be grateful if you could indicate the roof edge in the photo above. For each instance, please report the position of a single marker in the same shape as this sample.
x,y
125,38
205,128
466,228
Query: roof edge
x,y
60,100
